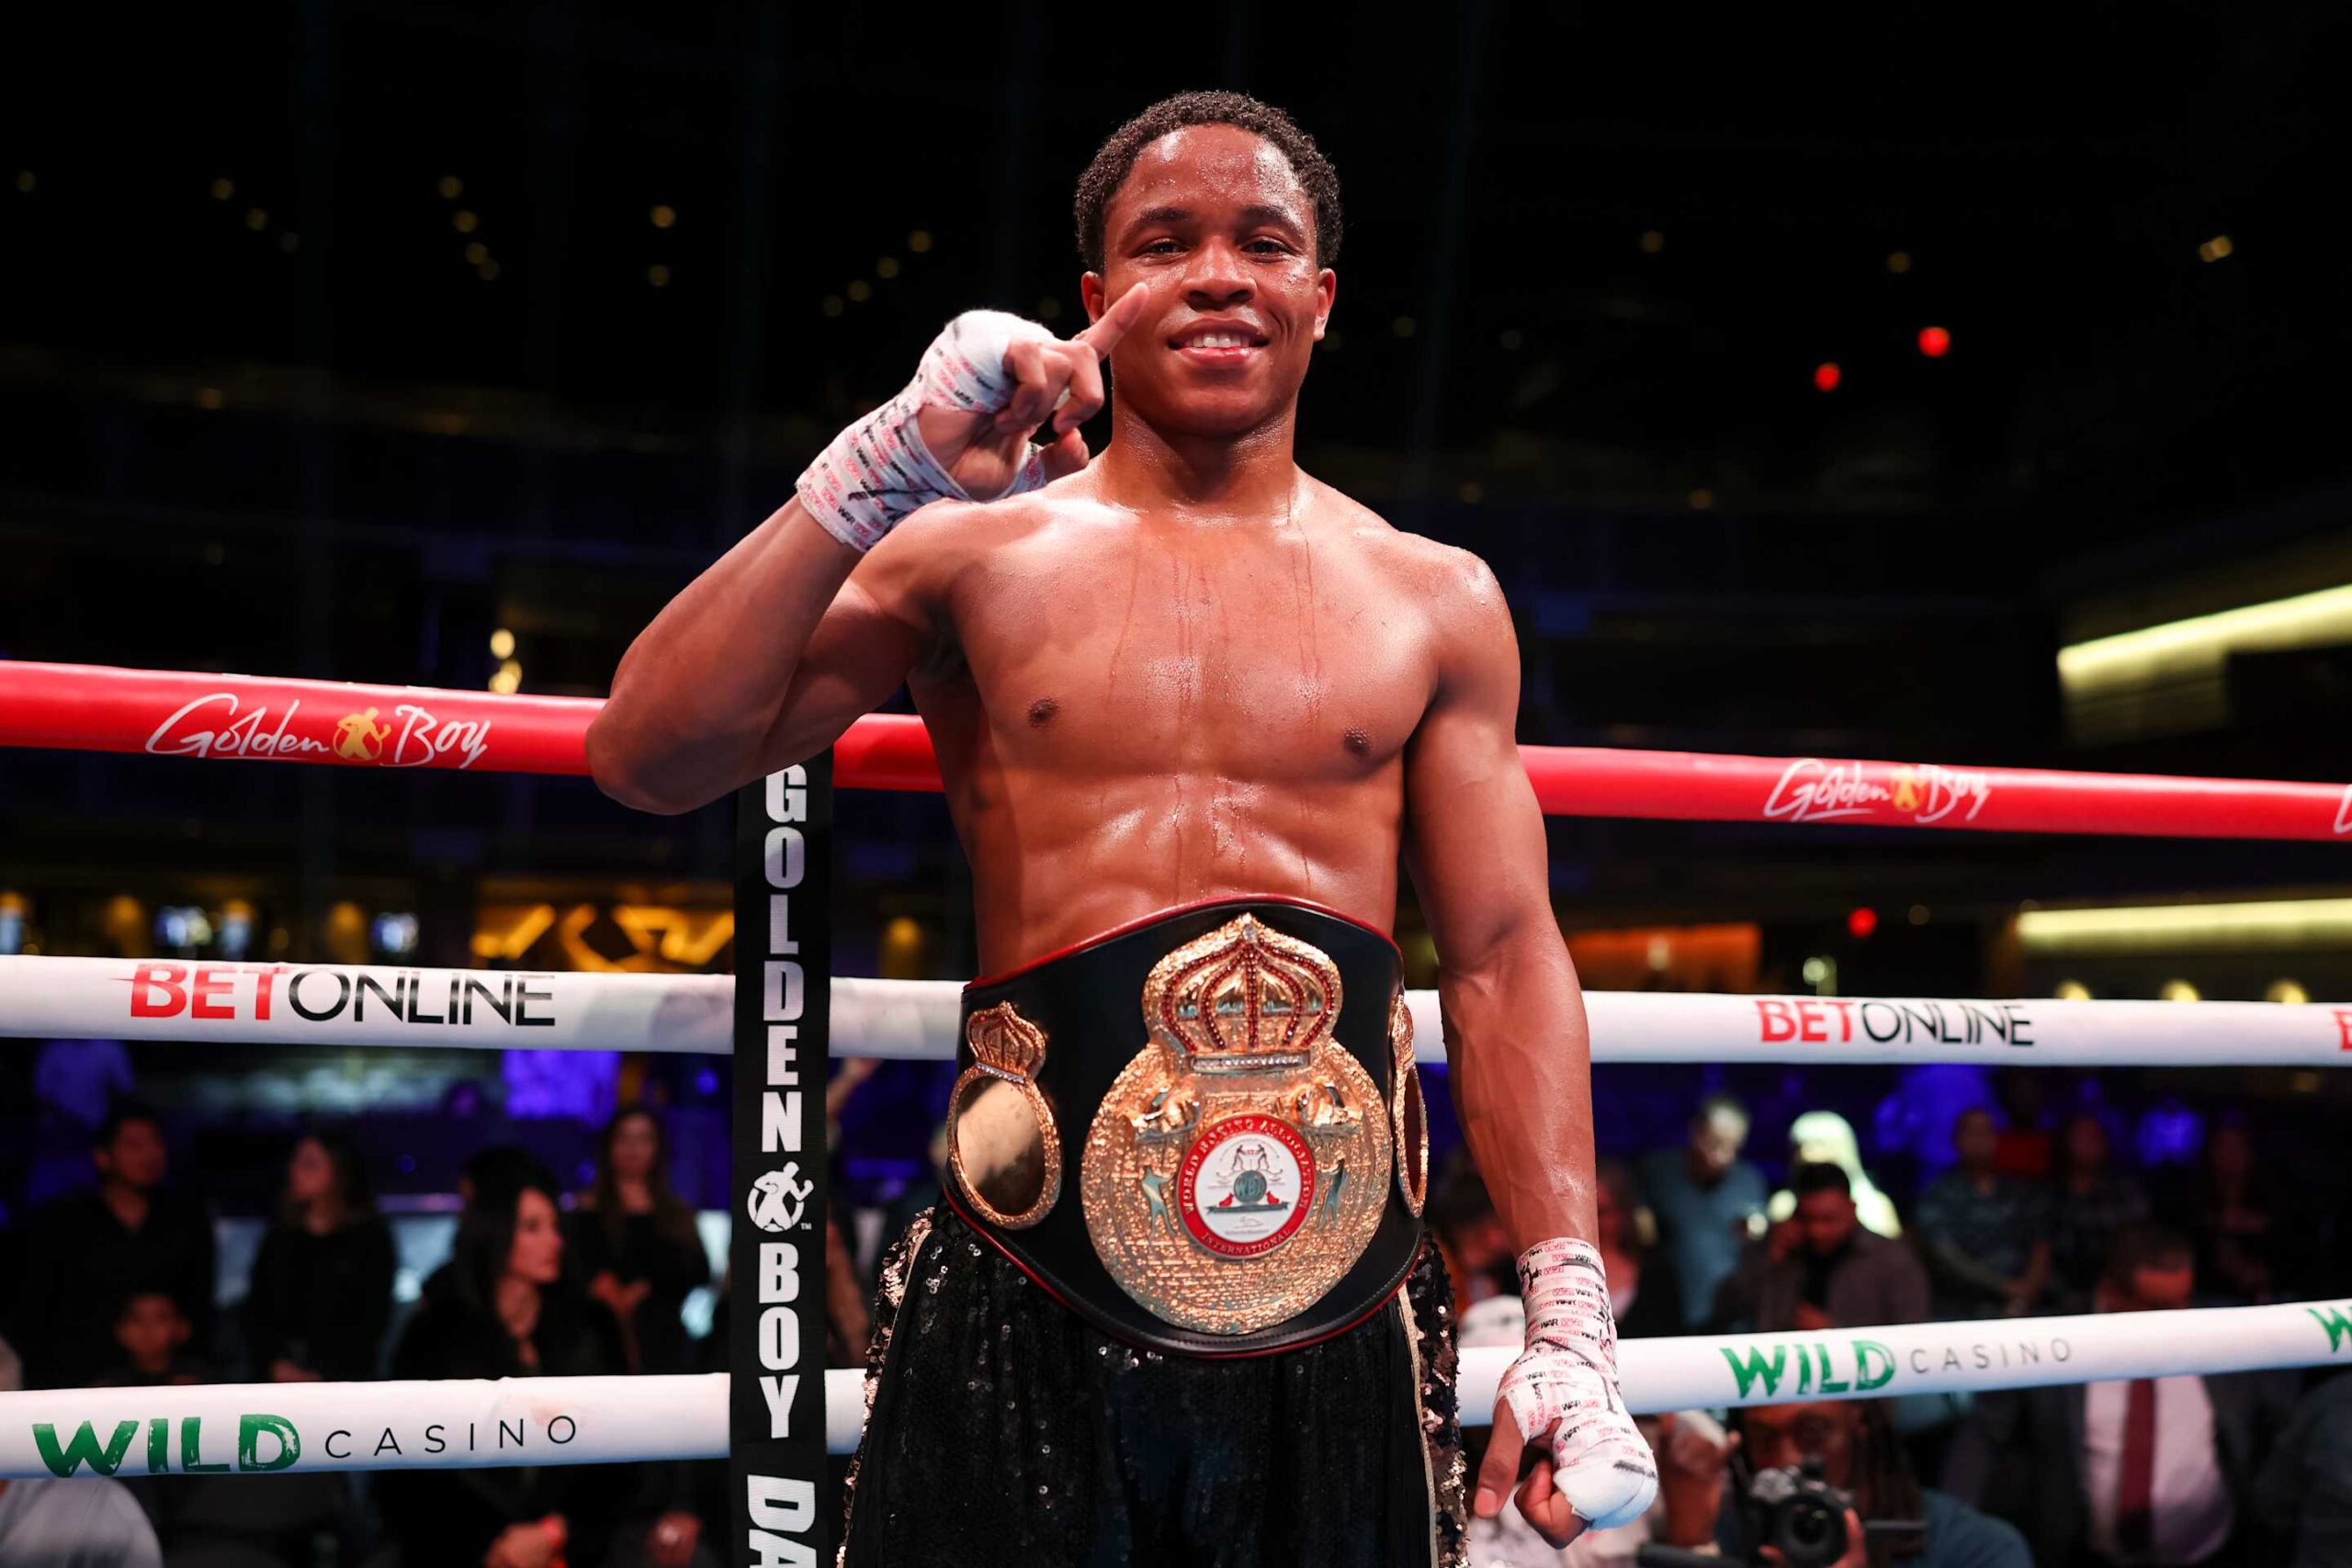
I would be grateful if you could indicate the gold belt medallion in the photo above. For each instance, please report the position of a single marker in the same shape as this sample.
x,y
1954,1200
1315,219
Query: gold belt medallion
x,y
1239,1164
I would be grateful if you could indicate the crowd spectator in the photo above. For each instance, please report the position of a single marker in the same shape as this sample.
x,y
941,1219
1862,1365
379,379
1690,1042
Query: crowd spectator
x,y
1643,1291
215,1521
2233,1217
2302,1497
504,1306
1819,1269
320,1294
1984,1235
1479,1258
1856,1443
150,1336
88,1521
1824,1137
2149,1472
637,1245
1705,1198
90,1249
2090,1201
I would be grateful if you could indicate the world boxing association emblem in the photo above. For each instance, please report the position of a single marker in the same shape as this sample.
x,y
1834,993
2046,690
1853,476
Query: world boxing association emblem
x,y
1239,1164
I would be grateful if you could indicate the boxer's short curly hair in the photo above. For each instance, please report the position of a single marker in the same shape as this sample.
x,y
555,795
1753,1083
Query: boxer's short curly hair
x,y
1116,159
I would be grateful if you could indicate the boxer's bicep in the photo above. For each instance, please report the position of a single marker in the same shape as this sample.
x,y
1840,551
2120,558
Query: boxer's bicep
x,y
882,624
1474,834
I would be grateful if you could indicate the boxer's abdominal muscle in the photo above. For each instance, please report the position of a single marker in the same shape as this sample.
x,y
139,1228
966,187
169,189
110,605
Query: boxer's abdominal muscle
x,y
1175,715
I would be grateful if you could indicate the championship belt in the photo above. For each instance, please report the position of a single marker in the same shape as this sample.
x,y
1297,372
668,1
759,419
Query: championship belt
x,y
1238,1079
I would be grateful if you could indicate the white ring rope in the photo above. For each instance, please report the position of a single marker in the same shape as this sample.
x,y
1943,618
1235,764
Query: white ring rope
x,y
112,998
472,1423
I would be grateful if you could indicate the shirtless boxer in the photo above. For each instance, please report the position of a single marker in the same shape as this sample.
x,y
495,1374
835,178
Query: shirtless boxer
x,y
1189,705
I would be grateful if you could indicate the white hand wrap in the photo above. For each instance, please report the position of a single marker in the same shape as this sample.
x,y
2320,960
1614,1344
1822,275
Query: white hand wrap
x,y
878,470
1568,1374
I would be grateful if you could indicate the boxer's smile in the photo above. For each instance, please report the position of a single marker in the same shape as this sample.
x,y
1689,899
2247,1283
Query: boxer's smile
x,y
1219,342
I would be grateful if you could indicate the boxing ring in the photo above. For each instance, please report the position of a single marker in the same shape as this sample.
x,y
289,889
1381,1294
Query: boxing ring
x,y
270,1428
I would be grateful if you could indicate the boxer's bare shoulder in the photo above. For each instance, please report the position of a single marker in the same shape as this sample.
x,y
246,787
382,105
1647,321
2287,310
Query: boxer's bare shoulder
x,y
1453,591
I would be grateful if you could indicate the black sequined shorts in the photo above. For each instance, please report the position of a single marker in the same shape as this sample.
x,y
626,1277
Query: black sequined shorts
x,y
1002,1429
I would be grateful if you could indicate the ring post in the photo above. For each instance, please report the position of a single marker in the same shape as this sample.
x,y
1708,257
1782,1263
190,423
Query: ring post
x,y
775,1398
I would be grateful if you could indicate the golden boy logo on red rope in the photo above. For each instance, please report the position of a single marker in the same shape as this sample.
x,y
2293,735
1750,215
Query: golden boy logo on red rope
x,y
1810,790
217,725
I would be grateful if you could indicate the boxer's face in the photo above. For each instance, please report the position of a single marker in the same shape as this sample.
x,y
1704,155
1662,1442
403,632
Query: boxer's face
x,y
1215,225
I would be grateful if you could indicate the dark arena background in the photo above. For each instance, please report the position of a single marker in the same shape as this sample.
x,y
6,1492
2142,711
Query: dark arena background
x,y
1952,389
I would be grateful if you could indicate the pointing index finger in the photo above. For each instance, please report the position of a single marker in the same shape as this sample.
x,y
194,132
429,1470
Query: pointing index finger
x,y
1105,335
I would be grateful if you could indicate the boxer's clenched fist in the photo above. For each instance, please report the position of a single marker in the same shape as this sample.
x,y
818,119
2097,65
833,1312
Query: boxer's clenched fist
x,y
1560,1397
962,427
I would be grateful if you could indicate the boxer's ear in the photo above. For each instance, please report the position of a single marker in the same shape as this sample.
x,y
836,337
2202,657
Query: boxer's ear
x,y
1326,288
1093,294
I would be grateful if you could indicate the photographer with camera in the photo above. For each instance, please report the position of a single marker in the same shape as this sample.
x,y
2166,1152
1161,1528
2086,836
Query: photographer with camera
x,y
1828,1485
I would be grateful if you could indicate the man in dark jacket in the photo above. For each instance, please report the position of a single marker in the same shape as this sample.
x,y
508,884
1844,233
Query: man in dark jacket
x,y
1821,1269
2148,1473
90,1251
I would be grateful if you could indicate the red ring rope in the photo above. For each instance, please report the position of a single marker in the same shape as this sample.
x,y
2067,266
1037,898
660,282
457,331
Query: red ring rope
x,y
90,708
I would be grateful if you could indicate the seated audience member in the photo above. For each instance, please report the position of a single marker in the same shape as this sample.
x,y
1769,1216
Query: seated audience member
x,y
2090,1201
1704,1197
636,1243
214,1521
87,1521
1824,1137
151,1338
1643,1291
1860,1453
1821,1270
1984,1235
1479,1259
2152,1473
2303,1495
2233,1218
504,1307
322,1288
90,1249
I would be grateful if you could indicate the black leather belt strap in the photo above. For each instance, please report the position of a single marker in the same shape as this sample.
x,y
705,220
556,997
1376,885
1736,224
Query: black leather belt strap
x,y
1087,1001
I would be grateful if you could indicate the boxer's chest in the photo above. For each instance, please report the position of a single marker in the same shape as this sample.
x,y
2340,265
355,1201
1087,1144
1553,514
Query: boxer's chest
x,y
1266,660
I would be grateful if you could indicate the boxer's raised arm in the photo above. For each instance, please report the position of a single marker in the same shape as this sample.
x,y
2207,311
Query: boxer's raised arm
x,y
769,654
760,661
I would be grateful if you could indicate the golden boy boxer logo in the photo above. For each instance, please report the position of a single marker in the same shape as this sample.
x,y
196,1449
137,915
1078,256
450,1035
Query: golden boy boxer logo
x,y
1239,1164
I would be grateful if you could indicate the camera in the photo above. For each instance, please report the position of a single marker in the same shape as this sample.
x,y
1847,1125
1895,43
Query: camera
x,y
1797,1513
1790,1510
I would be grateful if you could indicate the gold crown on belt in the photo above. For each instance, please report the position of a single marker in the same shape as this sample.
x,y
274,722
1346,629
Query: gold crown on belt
x,y
1006,1043
1244,999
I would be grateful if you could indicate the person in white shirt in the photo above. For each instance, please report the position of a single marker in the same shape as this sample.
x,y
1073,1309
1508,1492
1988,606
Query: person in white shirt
x,y
2146,1473
89,1521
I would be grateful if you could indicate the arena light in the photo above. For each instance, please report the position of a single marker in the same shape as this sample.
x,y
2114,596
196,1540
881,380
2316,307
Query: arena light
x,y
2286,993
1898,262
2173,928
2199,643
2214,249
664,216
1934,342
1826,375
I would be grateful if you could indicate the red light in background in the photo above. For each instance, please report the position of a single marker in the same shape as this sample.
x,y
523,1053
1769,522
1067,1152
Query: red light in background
x,y
1934,342
1824,376
1859,924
